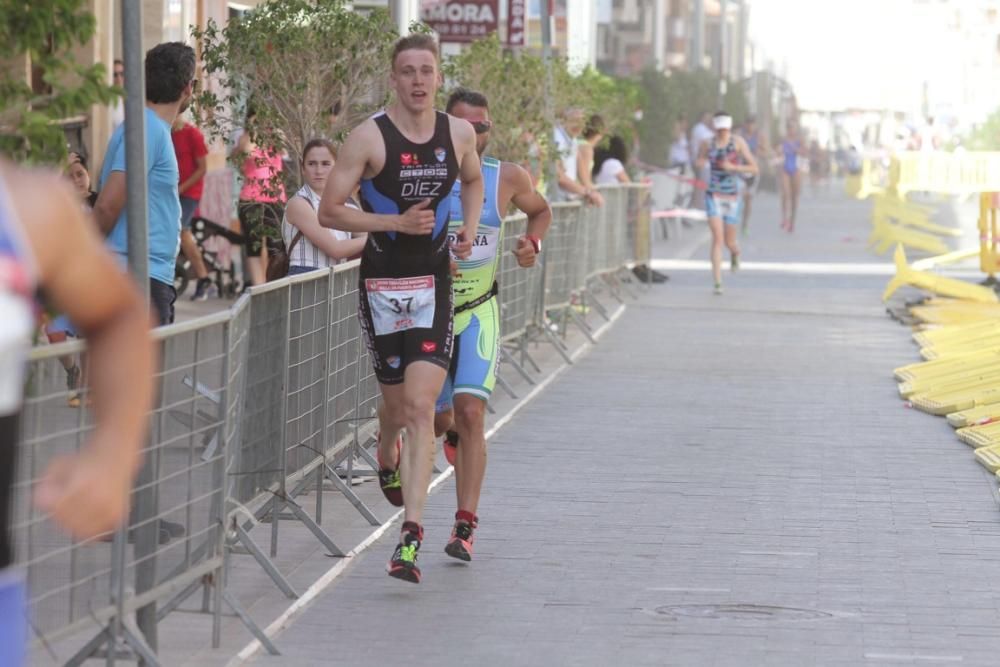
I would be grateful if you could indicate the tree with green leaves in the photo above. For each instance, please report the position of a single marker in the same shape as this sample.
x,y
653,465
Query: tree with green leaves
x,y
297,62
513,84
614,99
673,95
986,136
46,32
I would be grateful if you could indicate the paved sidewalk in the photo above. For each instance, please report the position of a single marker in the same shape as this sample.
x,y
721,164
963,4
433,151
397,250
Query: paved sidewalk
x,y
721,481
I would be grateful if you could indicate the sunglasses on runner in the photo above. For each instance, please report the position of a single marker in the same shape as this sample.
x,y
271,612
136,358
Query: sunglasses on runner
x,y
482,126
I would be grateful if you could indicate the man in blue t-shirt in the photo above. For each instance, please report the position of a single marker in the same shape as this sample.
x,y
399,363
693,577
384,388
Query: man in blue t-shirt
x,y
170,69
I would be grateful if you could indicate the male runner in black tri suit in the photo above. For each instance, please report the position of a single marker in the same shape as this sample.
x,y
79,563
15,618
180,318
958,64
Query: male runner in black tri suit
x,y
407,158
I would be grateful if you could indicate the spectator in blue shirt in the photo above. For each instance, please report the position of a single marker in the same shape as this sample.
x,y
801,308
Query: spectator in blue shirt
x,y
170,70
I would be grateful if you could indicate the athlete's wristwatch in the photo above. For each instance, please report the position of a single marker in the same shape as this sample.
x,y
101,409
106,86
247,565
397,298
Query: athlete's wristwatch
x,y
536,243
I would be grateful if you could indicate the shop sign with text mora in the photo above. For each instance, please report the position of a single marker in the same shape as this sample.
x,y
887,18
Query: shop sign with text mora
x,y
460,20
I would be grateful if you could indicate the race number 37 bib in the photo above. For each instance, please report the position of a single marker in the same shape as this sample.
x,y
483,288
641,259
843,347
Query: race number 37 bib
x,y
398,304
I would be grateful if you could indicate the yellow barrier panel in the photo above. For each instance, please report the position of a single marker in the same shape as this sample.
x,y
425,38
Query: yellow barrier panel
x,y
951,364
949,349
979,416
988,236
948,173
989,457
943,404
980,436
960,338
951,382
865,184
885,234
955,312
934,283
966,331
947,258
890,208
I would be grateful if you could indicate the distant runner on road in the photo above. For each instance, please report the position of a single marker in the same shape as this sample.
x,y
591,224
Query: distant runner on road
x,y
728,157
757,144
791,176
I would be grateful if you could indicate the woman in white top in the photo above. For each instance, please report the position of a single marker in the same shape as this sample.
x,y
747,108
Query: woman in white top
x,y
609,163
316,247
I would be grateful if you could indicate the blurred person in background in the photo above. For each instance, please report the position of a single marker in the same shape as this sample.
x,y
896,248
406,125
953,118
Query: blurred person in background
x,y
792,148
593,133
817,165
191,153
609,169
170,71
701,134
58,328
79,176
309,245
757,143
118,79
45,242
609,163
679,158
261,203
567,153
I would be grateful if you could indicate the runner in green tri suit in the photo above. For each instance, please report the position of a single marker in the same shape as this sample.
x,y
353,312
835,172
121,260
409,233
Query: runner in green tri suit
x,y
462,405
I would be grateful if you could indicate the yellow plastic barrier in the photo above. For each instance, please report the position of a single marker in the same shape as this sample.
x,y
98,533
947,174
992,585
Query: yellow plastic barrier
x,y
978,416
934,283
885,234
951,382
984,435
955,312
948,173
892,208
947,258
989,238
865,184
989,457
966,331
950,349
961,338
970,397
946,365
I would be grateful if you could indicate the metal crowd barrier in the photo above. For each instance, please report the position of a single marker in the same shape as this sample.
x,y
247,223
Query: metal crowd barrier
x,y
257,405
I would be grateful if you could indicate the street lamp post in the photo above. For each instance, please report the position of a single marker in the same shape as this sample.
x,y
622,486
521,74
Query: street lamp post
x,y
723,34
397,10
136,213
546,18
697,34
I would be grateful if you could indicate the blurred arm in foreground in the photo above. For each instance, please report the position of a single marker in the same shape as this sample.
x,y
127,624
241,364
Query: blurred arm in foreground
x,y
87,493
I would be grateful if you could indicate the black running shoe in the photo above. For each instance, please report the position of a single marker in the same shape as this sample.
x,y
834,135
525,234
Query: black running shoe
x,y
388,478
460,544
403,564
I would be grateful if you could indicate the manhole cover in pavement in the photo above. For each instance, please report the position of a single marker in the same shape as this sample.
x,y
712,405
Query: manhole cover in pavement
x,y
742,612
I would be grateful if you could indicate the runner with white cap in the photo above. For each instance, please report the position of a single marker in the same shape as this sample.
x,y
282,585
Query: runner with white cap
x,y
728,157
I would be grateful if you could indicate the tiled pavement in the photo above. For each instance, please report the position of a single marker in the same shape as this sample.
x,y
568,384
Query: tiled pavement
x,y
722,481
